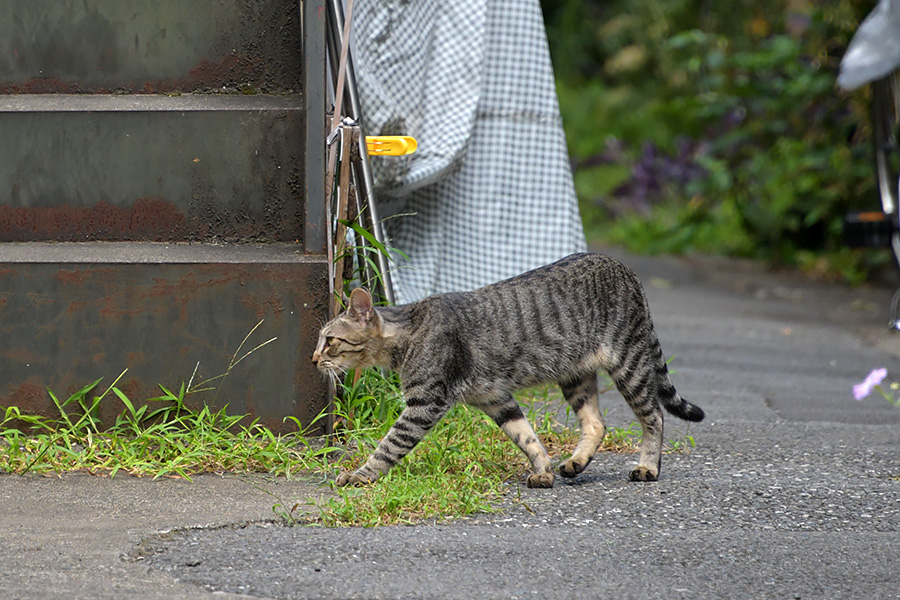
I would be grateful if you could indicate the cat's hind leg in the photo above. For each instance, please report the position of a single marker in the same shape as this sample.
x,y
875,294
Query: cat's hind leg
x,y
637,382
582,395
651,447
507,414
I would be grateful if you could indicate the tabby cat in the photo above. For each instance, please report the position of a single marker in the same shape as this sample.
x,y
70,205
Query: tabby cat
x,y
558,323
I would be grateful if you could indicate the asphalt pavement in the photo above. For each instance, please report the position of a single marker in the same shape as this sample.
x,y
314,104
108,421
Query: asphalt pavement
x,y
792,489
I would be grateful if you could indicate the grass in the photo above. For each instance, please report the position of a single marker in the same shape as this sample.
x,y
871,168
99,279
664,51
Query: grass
x,y
459,469
462,467
161,438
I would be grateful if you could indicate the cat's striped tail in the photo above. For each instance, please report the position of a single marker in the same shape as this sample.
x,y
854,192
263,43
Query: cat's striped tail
x,y
678,406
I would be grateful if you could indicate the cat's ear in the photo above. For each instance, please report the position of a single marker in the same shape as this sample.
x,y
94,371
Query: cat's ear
x,y
360,305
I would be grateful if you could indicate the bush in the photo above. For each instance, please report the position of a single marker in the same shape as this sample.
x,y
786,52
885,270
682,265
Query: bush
x,y
715,128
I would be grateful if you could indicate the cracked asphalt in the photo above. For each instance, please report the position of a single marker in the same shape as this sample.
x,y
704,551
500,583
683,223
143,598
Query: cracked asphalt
x,y
792,490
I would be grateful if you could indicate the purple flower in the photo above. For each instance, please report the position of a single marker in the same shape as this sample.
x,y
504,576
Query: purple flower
x,y
861,390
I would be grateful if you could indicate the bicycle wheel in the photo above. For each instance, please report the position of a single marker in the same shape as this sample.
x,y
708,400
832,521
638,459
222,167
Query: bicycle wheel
x,y
885,127
885,123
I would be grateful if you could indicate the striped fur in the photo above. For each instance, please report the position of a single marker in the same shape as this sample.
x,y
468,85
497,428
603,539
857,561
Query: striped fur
x,y
560,323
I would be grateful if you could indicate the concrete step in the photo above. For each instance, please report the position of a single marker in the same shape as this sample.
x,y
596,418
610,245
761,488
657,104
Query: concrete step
x,y
149,46
73,312
152,167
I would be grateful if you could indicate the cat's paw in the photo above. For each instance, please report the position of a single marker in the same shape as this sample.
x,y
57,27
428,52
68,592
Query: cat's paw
x,y
643,474
352,478
540,480
572,467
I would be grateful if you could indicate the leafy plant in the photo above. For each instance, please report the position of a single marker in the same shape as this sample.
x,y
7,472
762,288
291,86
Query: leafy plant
x,y
684,444
161,436
169,440
716,127
460,468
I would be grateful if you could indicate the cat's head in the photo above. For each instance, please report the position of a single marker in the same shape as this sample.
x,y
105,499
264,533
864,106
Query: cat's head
x,y
352,339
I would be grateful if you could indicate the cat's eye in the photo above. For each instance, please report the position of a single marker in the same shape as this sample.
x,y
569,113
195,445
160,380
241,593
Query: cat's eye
x,y
330,342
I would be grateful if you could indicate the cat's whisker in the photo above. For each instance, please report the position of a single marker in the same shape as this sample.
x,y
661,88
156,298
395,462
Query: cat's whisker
x,y
335,375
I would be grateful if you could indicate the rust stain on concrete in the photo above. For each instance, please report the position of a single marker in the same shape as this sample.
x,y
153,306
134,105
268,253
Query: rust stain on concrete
x,y
229,71
47,85
151,219
28,397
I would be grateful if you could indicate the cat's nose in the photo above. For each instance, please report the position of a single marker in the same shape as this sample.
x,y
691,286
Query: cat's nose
x,y
315,357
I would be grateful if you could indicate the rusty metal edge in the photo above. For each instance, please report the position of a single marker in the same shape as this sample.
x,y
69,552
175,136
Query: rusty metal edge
x,y
315,106
152,253
313,60
145,103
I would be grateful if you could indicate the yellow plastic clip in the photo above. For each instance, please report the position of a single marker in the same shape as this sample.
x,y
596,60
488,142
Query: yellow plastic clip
x,y
390,145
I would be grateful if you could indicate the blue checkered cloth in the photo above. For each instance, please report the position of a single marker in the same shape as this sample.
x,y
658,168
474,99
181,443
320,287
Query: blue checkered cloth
x,y
489,192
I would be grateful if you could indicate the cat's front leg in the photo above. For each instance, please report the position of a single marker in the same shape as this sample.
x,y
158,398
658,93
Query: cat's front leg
x,y
507,414
353,478
414,422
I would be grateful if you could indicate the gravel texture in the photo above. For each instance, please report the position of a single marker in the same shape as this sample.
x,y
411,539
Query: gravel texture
x,y
730,519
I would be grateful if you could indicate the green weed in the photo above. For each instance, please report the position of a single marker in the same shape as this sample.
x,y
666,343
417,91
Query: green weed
x,y
458,469
169,439
683,444
461,468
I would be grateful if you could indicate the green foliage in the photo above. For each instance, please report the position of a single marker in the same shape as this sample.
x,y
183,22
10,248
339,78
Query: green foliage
x,y
163,437
367,406
462,467
458,469
715,127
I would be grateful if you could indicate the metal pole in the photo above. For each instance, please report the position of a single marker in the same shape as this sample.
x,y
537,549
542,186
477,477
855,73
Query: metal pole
x,y
365,182
315,101
314,104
